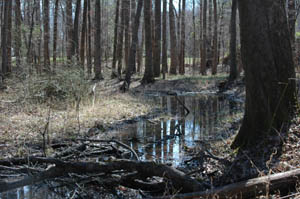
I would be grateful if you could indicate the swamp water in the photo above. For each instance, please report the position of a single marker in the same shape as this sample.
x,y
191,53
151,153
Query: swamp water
x,y
166,139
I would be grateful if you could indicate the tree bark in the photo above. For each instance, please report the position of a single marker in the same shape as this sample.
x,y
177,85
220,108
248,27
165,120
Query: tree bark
x,y
83,33
18,36
4,33
233,66
75,36
173,40
46,36
55,33
97,50
148,75
69,26
292,17
120,42
115,38
268,62
9,33
204,39
126,30
89,40
157,49
194,37
165,42
182,45
134,43
215,40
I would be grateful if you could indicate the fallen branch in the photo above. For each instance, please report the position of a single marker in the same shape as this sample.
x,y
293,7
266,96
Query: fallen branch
x,y
179,180
246,189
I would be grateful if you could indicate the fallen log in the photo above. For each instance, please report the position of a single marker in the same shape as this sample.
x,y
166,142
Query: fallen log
x,y
179,180
246,189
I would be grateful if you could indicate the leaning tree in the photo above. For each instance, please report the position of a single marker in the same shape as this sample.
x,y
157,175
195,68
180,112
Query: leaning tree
x,y
269,71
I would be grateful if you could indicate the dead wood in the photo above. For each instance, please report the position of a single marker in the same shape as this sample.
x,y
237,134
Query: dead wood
x,y
246,189
179,180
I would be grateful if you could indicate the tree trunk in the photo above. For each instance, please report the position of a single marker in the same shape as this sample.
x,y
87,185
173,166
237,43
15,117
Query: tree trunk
x,y
292,17
157,49
69,24
215,40
4,32
126,29
182,46
121,38
115,39
9,33
83,33
164,40
46,36
268,62
173,40
18,36
134,43
233,66
75,40
55,33
97,50
204,40
194,37
89,40
148,75
141,50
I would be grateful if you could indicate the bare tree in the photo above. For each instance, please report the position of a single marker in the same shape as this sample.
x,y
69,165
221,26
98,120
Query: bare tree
x,y
55,32
173,40
157,37
46,36
97,50
18,36
164,39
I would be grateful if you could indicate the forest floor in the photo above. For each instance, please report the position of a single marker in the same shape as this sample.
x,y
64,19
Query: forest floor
x,y
24,119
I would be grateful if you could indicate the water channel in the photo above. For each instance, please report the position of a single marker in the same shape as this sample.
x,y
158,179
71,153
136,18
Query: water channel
x,y
167,138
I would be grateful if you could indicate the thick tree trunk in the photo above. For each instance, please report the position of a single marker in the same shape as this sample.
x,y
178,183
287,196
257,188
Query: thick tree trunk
x,y
9,33
126,29
173,40
75,36
182,45
89,40
204,40
46,36
134,43
157,49
215,40
233,66
115,39
148,75
55,32
121,38
164,40
268,62
18,36
97,50
141,50
292,17
83,33
194,37
69,27
4,33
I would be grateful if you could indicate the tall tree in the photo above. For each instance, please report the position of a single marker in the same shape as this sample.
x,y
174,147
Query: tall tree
x,y
69,27
182,45
18,36
292,17
204,39
164,40
157,37
46,35
55,32
215,40
83,32
134,43
97,49
126,29
121,38
75,36
89,40
173,40
194,37
4,32
233,66
115,39
267,57
9,33
148,75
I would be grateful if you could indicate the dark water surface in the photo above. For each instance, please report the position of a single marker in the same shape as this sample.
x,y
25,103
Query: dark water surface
x,y
167,139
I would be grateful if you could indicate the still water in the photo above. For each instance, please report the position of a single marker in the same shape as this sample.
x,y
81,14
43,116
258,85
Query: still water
x,y
166,139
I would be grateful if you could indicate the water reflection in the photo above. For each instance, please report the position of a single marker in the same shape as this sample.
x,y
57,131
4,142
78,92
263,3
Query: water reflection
x,y
165,141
